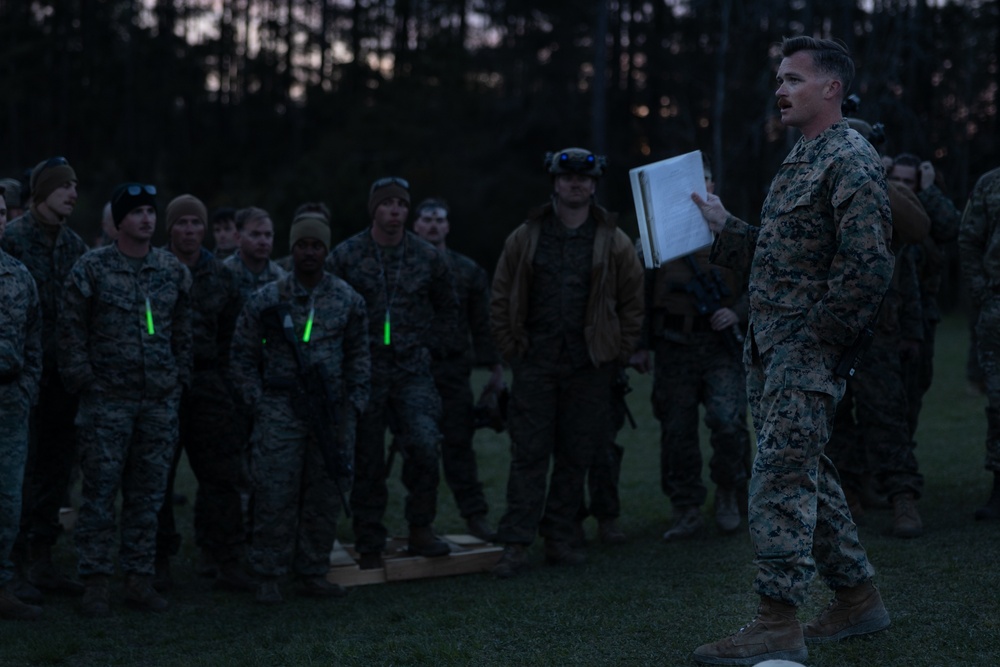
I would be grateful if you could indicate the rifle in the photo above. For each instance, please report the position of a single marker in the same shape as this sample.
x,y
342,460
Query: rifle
x,y
707,290
620,388
315,401
852,356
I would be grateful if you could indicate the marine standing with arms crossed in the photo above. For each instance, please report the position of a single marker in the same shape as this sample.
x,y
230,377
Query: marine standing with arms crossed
x,y
819,265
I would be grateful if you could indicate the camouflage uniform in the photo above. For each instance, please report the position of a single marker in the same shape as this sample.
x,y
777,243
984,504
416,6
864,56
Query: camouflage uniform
x,y
53,438
566,310
296,502
808,301
409,284
20,371
979,245
694,364
451,366
130,382
208,426
871,432
246,280
929,257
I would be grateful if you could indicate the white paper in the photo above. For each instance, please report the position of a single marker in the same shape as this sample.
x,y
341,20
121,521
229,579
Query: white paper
x,y
670,224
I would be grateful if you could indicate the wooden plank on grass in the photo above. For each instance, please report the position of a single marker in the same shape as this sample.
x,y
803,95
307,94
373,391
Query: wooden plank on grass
x,y
468,555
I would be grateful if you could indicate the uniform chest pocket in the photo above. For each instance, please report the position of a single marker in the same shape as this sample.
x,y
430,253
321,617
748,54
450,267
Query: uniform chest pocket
x,y
118,299
162,297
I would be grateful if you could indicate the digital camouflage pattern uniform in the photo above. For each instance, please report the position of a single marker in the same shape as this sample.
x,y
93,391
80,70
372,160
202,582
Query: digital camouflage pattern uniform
x,y
453,353
409,286
695,365
566,312
809,299
130,382
296,501
20,371
208,421
49,257
249,282
930,261
871,432
979,247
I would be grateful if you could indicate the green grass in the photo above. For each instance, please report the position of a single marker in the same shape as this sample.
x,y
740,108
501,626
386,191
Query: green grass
x,y
644,603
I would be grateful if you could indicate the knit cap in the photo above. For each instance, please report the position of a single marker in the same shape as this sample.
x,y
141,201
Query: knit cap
x,y
48,175
185,205
129,196
310,225
386,188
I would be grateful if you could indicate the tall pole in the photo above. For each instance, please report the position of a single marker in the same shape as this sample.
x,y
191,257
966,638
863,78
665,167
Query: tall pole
x,y
598,119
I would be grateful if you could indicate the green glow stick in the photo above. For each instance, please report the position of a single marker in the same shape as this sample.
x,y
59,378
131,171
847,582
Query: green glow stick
x,y
309,326
149,318
386,338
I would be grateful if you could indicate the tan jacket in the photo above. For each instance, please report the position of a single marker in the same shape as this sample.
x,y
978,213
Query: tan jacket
x,y
614,308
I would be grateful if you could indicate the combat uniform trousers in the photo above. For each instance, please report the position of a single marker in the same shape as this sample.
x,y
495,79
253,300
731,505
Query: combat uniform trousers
x,y
988,335
458,458
408,404
799,520
14,410
560,414
215,452
51,457
877,439
684,376
919,374
296,503
126,442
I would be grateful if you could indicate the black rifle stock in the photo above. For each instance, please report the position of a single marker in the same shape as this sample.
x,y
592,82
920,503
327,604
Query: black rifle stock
x,y
707,290
315,401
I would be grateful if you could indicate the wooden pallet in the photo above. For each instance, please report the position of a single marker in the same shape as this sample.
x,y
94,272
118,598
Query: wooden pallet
x,y
468,555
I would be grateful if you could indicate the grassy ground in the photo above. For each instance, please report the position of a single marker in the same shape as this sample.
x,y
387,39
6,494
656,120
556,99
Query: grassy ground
x,y
646,602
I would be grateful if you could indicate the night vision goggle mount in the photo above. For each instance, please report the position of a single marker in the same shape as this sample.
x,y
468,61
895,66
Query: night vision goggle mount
x,y
576,161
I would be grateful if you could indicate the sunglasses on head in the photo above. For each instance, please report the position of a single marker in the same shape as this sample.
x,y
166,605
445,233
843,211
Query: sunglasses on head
x,y
390,180
54,162
138,187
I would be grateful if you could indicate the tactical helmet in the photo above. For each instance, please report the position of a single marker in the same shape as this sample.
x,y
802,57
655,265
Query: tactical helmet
x,y
575,161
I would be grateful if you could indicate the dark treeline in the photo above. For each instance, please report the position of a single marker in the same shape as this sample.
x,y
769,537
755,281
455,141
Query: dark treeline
x,y
279,102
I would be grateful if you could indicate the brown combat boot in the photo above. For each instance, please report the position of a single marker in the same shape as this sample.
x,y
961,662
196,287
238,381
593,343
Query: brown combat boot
x,y
775,634
423,542
853,611
139,594
727,510
563,553
268,591
43,574
687,522
320,587
13,608
906,523
991,510
513,560
96,596
610,532
478,526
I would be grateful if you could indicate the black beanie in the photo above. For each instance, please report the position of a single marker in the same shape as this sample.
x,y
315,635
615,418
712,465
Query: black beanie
x,y
129,196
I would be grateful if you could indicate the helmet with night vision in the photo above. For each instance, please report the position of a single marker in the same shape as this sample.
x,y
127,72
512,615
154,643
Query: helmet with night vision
x,y
576,161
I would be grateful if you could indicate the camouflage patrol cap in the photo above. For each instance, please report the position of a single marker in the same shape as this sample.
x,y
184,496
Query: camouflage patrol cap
x,y
575,161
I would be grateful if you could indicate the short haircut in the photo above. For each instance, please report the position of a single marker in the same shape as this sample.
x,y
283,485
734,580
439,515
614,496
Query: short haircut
x,y
245,215
432,203
906,160
312,207
223,214
829,56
